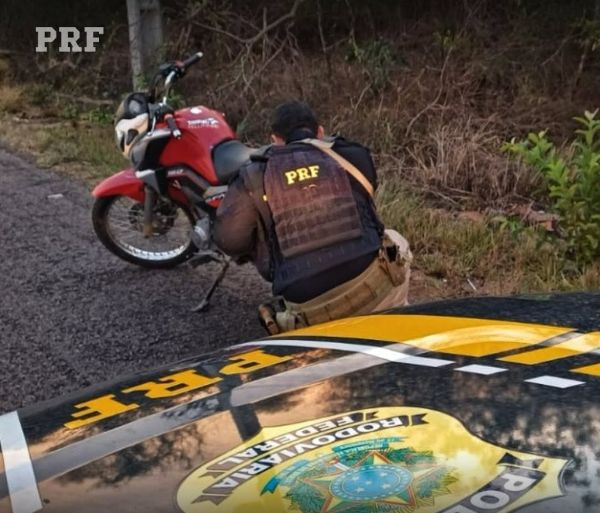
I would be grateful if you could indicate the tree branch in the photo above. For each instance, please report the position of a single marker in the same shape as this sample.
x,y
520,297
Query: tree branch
x,y
254,39
437,97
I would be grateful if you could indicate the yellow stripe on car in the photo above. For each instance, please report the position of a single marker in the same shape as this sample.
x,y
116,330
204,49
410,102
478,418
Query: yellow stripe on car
x,y
451,335
590,370
582,344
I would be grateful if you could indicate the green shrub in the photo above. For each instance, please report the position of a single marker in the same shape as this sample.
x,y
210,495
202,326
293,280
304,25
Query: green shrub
x,y
100,116
572,182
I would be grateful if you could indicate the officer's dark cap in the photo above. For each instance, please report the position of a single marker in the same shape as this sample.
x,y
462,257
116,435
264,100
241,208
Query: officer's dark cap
x,y
291,116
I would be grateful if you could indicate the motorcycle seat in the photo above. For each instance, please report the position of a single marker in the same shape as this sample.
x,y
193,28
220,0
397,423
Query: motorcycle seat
x,y
228,157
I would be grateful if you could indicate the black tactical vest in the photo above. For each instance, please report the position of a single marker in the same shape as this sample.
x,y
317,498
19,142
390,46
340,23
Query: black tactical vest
x,y
316,221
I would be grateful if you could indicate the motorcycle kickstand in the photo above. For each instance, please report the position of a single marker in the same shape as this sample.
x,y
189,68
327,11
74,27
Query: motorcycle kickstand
x,y
204,304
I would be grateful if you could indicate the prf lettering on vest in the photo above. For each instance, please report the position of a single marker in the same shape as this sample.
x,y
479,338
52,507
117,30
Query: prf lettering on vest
x,y
301,174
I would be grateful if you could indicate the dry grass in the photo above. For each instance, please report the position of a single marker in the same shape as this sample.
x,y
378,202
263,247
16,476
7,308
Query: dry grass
x,y
426,122
465,257
84,150
461,159
11,99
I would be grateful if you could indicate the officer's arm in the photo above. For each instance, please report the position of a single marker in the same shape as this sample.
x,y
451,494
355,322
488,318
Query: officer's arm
x,y
236,222
372,170
358,155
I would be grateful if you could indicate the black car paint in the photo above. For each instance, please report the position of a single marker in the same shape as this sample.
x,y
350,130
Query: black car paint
x,y
502,409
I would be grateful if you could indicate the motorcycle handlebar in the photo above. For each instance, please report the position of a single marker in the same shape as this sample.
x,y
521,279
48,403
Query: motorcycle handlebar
x,y
177,69
171,72
175,132
192,60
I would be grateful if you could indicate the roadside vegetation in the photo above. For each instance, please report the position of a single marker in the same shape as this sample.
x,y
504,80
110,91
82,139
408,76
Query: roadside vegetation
x,y
469,111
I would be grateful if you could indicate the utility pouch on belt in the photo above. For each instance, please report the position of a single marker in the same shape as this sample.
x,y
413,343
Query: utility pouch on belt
x,y
393,260
276,322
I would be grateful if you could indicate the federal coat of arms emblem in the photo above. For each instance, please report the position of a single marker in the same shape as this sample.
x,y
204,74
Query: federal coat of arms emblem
x,y
384,460
370,477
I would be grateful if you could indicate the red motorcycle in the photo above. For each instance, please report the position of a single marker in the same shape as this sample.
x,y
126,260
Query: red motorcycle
x,y
158,213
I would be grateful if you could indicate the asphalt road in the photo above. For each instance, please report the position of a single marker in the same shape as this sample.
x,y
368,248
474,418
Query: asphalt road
x,y
72,314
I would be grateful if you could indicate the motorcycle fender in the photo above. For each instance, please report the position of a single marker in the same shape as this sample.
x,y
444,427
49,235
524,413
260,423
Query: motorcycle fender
x,y
124,183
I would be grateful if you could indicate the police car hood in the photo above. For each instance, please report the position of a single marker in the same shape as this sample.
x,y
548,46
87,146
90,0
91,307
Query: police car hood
x,y
473,405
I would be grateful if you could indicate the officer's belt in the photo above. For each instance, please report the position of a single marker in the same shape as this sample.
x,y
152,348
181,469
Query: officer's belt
x,y
354,297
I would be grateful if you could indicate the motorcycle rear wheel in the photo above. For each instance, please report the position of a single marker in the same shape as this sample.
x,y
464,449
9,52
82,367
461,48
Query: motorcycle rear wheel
x,y
118,223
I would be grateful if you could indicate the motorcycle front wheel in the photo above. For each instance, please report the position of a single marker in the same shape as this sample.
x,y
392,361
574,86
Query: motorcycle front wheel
x,y
119,224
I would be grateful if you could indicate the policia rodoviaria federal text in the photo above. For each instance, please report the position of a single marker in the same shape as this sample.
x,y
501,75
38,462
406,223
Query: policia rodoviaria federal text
x,y
303,213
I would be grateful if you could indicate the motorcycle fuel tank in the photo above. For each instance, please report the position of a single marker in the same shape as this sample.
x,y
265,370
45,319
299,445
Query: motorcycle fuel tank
x,y
475,405
202,129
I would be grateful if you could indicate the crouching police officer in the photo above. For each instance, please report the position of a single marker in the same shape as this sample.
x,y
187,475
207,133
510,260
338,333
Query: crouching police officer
x,y
303,213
